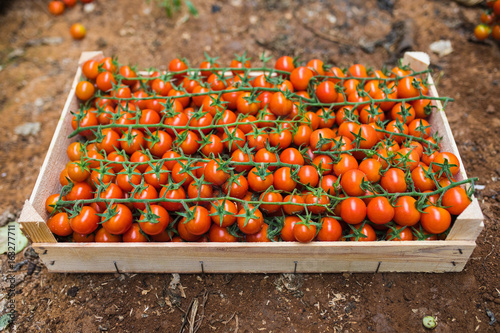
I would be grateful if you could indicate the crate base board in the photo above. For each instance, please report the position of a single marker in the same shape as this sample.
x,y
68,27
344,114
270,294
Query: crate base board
x,y
320,257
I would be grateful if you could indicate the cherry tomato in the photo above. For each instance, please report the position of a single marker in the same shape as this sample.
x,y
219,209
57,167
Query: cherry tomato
x,y
220,234
330,231
250,220
77,31
353,210
482,31
119,221
285,63
351,182
59,224
405,212
380,210
56,7
86,221
300,77
260,179
303,232
393,181
399,233
446,158
199,223
282,180
155,222
455,200
103,236
364,233
134,235
223,213
435,220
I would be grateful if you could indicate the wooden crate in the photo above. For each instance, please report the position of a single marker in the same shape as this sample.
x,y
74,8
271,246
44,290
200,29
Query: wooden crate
x,y
448,255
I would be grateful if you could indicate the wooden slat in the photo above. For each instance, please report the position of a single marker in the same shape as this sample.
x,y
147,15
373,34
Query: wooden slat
x,y
429,256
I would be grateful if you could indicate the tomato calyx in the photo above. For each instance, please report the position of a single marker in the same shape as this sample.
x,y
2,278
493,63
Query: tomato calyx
x,y
356,231
249,213
149,216
242,58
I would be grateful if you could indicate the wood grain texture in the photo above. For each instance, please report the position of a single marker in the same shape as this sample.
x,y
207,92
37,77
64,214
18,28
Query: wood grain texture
x,y
34,226
450,255
429,256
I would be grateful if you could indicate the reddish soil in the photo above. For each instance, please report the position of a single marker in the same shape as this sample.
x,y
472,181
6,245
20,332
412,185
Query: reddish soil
x,y
35,75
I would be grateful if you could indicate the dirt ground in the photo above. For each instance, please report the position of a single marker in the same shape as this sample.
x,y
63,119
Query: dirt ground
x,y
37,63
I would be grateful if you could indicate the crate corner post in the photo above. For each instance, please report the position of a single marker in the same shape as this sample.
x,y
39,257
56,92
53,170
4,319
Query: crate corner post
x,y
34,225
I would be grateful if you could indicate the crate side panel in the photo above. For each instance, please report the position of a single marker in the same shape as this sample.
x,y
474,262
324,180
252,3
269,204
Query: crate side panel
x,y
48,179
469,224
243,258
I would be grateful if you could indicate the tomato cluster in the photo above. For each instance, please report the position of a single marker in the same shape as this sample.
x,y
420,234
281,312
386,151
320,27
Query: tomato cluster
x,y
490,22
290,153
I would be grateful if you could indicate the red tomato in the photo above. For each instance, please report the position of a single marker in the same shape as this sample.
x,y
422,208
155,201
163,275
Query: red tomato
x,y
455,200
77,31
134,235
148,192
154,221
300,77
330,231
435,220
260,179
399,233
295,204
223,213
117,219
259,237
303,232
380,210
371,168
393,181
56,7
285,63
405,212
214,173
80,191
250,220
326,92
198,223
236,188
421,177
287,230
220,234
351,182
363,232
316,203
270,202
59,224
446,159
345,163
353,210
103,236
283,181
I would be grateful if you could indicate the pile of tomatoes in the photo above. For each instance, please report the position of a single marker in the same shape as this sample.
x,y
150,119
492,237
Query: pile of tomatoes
x,y
257,154
490,22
